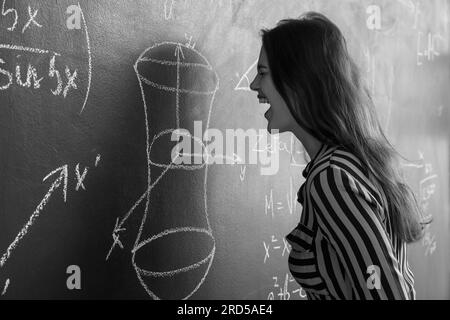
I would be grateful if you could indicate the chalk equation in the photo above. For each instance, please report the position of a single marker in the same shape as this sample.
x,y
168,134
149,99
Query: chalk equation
x,y
431,43
276,207
275,148
29,67
276,246
428,46
285,288
427,188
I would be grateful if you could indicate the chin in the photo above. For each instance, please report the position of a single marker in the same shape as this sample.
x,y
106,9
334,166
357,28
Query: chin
x,y
270,128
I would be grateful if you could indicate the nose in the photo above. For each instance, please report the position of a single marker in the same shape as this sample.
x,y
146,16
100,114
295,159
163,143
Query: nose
x,y
254,85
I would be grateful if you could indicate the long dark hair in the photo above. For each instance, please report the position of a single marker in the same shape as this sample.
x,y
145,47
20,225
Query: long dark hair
x,y
314,73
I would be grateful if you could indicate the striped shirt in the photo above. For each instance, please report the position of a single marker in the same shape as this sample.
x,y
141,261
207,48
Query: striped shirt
x,y
344,246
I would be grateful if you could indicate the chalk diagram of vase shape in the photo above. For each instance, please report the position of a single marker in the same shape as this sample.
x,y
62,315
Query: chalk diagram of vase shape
x,y
175,247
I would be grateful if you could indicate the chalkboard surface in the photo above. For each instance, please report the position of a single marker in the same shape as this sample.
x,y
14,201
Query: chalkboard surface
x,y
96,98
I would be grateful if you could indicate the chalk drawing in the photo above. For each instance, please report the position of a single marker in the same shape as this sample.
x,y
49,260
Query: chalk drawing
x,y
116,239
140,242
62,178
89,60
6,287
28,49
244,82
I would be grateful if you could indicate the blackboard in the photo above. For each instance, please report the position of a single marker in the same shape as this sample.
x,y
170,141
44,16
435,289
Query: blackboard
x,y
91,93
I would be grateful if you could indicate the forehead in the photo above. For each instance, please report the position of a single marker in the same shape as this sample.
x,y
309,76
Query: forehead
x,y
262,61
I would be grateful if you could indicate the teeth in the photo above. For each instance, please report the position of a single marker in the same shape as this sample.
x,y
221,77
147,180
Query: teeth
x,y
263,100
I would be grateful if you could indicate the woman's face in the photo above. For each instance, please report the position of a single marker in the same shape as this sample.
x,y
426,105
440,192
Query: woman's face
x,y
278,115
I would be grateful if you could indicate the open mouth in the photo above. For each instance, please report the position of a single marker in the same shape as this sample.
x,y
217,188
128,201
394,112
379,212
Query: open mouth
x,y
268,114
263,99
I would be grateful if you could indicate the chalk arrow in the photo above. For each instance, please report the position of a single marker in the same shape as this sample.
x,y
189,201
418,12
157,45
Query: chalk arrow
x,y
5,287
115,235
117,227
63,173
244,82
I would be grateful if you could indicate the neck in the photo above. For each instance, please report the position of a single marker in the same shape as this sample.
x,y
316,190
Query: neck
x,y
311,144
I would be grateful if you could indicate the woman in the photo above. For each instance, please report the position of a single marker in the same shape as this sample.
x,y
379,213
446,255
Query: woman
x,y
358,214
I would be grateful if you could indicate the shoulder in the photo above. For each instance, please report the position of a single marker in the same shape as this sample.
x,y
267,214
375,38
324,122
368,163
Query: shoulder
x,y
343,175
339,161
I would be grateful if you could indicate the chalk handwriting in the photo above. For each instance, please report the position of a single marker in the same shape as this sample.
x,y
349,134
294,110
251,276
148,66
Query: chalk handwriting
x,y
13,13
429,242
7,12
284,292
168,9
277,208
189,43
97,160
32,16
427,188
290,148
275,245
27,76
70,81
242,174
427,46
33,80
80,178
31,74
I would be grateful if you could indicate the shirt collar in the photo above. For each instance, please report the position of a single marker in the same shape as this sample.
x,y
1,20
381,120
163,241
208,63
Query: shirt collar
x,y
323,148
